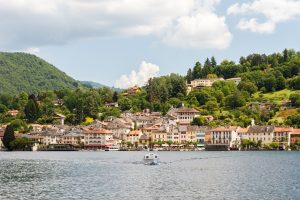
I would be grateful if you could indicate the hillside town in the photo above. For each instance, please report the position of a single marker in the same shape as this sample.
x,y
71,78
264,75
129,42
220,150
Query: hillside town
x,y
151,130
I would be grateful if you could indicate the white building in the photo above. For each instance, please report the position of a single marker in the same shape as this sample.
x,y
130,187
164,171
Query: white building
x,y
134,136
227,136
97,138
207,82
52,139
183,114
265,134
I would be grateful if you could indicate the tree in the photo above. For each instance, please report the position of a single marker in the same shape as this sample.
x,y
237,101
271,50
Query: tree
x,y
3,108
270,83
285,55
9,136
22,144
247,86
294,83
213,62
295,99
31,111
124,104
115,97
189,76
197,71
211,106
235,100
19,125
199,121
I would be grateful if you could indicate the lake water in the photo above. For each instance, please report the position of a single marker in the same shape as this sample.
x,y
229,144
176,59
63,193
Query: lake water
x,y
122,175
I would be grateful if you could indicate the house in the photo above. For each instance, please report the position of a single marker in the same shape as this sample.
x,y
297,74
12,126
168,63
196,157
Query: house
x,y
223,138
132,91
199,83
200,135
281,135
192,132
183,114
159,135
73,139
257,133
242,133
134,136
294,136
51,138
97,138
120,127
144,140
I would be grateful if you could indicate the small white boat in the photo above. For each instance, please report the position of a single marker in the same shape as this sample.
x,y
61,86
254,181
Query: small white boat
x,y
112,148
151,159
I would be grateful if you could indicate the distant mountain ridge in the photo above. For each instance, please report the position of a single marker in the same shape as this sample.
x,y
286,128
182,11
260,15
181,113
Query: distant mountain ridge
x,y
29,73
99,85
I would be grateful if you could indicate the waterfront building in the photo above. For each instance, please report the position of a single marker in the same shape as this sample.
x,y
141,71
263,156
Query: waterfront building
x,y
51,138
243,133
72,138
257,133
144,140
134,136
159,135
223,138
200,135
294,136
97,138
281,135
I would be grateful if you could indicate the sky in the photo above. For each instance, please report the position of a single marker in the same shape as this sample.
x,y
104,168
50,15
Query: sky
x,y
123,43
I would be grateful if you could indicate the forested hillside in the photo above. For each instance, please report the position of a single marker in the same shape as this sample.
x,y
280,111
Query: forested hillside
x,y
25,72
268,93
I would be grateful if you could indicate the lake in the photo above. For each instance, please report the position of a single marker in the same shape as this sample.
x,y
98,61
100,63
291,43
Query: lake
x,y
122,175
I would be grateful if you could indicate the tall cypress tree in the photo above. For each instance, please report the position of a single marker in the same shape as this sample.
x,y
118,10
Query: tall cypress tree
x,y
8,137
31,111
213,62
285,55
189,76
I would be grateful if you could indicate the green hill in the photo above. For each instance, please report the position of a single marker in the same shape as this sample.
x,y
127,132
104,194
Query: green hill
x,y
28,73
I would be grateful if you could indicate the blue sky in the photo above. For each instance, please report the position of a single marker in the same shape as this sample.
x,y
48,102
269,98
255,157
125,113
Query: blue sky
x,y
124,42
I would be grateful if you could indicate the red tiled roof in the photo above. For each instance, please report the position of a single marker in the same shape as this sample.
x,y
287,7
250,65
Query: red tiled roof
x,y
222,128
283,129
242,130
296,131
135,133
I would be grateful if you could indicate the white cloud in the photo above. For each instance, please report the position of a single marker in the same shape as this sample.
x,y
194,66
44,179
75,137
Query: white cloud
x,y
26,23
275,12
203,30
146,71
